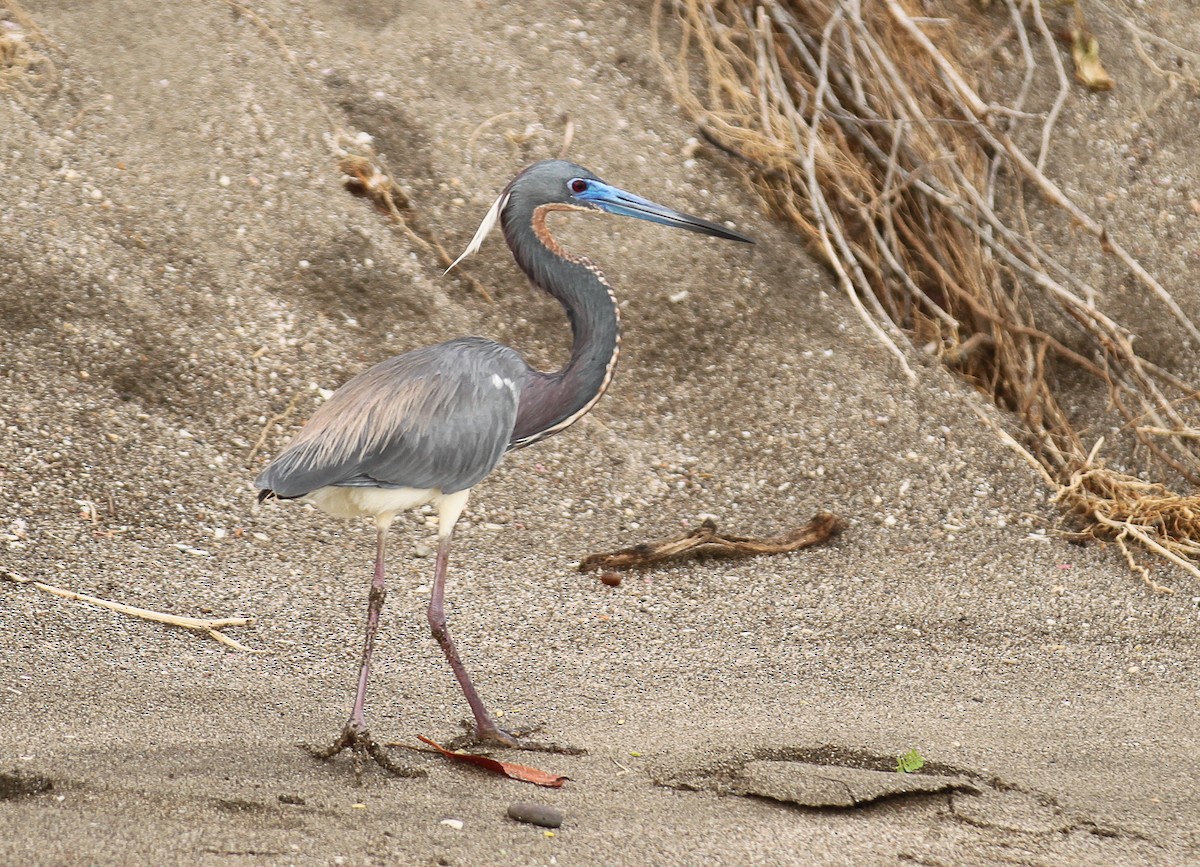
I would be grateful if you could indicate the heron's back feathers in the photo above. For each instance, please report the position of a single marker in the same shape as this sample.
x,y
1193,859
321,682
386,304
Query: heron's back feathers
x,y
438,417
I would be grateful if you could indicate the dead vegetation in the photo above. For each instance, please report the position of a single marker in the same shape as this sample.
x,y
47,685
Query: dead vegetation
x,y
26,67
365,176
706,541
861,123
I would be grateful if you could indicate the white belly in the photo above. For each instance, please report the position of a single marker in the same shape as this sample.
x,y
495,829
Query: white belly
x,y
353,502
383,504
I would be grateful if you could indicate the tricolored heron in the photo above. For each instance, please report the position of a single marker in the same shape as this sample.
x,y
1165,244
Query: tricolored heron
x,y
426,426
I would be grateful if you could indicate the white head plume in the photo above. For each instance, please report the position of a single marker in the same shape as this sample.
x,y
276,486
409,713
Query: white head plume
x,y
489,222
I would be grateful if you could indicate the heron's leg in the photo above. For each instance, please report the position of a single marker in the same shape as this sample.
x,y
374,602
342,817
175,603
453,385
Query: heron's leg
x,y
485,726
354,734
378,593
449,509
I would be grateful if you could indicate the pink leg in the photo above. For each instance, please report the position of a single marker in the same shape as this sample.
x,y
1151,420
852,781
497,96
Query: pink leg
x,y
485,726
358,718
354,734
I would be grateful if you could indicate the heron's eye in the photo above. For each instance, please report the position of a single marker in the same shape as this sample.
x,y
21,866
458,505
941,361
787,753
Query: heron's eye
x,y
578,185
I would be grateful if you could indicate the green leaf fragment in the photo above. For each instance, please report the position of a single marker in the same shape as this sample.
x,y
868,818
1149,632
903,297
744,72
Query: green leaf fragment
x,y
910,762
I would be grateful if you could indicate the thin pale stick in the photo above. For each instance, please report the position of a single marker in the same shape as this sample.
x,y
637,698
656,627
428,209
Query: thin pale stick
x,y
211,627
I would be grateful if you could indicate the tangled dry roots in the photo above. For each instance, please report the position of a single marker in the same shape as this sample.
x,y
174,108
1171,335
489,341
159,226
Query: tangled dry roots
x,y
860,123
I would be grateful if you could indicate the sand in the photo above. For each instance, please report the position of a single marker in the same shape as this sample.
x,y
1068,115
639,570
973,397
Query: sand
x,y
180,266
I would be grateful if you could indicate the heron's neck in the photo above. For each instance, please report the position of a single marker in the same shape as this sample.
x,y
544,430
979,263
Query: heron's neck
x,y
551,402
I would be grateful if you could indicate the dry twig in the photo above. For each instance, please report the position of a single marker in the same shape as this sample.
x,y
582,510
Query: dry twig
x,y
278,418
211,627
366,177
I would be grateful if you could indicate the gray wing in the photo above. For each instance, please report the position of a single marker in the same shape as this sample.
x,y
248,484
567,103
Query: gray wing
x,y
438,417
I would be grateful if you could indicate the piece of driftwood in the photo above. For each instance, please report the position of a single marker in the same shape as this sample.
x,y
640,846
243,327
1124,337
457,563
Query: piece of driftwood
x,y
705,541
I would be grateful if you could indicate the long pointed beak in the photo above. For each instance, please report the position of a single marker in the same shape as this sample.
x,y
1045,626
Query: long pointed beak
x,y
618,201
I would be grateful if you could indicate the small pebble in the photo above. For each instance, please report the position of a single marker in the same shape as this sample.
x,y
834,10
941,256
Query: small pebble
x,y
610,579
535,814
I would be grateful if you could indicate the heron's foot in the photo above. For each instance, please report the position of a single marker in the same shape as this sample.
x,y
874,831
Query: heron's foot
x,y
358,740
492,735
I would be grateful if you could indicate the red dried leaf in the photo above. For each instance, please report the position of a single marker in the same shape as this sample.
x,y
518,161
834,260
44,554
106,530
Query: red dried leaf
x,y
523,773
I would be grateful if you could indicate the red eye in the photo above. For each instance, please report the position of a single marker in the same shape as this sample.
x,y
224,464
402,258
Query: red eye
x,y
578,185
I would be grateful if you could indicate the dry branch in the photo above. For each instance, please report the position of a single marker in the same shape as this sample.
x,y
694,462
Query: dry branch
x,y
863,125
705,541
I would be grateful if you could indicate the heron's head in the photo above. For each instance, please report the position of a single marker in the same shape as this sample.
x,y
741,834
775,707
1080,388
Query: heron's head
x,y
558,182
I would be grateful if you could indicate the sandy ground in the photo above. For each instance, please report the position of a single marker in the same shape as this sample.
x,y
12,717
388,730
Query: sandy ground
x,y
179,263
